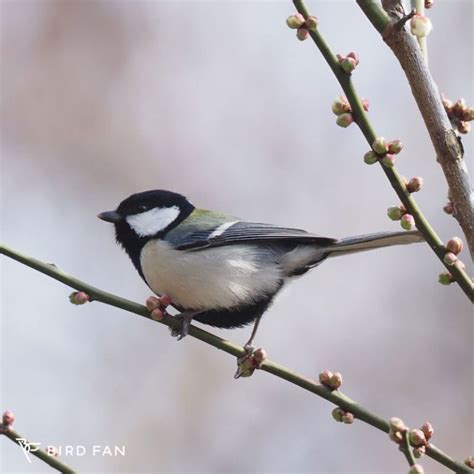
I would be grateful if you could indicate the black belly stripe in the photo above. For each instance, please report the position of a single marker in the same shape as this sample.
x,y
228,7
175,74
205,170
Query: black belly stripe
x,y
235,317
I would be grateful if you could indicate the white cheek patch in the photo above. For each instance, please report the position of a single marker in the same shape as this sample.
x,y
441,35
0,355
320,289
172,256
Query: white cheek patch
x,y
150,222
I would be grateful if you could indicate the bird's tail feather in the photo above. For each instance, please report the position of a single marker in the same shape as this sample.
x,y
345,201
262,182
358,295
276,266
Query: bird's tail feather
x,y
373,241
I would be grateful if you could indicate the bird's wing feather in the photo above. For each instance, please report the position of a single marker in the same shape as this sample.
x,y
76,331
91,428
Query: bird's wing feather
x,y
246,232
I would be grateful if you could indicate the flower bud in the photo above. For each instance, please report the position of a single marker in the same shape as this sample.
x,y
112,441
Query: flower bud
x,y
259,356
325,377
450,258
416,469
395,213
340,106
445,278
157,314
354,56
335,381
455,245
337,414
365,104
388,160
312,23
344,120
79,297
371,157
295,21
415,184
448,208
151,303
379,146
448,105
427,429
418,452
464,127
302,33
348,64
348,418
395,146
428,3
469,462
417,438
407,222
395,436
460,107
396,424
8,418
420,25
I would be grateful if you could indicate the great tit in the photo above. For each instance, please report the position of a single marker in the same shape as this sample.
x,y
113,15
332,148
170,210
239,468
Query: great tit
x,y
218,269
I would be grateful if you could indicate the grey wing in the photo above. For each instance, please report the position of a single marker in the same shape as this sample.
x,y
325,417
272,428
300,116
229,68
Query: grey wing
x,y
247,232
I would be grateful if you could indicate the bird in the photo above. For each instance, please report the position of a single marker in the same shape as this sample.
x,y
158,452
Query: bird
x,y
215,268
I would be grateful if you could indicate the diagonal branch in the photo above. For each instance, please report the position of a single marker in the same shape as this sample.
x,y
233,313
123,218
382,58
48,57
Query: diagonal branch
x,y
362,120
425,91
336,397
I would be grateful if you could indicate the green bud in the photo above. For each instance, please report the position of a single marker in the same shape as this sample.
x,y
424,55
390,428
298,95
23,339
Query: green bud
x,y
379,146
344,120
295,21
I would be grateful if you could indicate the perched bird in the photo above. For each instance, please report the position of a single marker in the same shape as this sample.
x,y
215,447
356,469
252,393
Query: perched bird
x,y
218,269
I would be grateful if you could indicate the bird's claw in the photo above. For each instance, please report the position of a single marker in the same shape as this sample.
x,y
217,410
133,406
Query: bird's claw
x,y
251,360
185,319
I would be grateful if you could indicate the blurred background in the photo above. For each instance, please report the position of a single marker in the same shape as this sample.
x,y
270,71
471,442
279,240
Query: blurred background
x,y
220,102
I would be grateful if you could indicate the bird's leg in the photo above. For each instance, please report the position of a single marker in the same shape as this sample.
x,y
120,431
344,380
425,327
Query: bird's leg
x,y
248,345
247,363
185,317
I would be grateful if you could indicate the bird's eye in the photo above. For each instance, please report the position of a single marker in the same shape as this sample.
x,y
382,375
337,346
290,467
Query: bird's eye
x,y
142,208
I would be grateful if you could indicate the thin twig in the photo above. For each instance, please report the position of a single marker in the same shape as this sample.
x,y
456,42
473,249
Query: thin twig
x,y
362,120
336,397
419,7
425,91
30,448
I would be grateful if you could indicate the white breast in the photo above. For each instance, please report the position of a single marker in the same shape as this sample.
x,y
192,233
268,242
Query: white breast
x,y
219,277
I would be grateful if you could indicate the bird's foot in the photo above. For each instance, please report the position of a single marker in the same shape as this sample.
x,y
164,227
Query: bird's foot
x,y
251,360
157,306
185,319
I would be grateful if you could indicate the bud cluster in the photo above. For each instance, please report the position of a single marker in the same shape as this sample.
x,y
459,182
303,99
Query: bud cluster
x,y
342,109
349,62
342,416
246,365
459,113
383,151
399,213
302,26
157,306
330,380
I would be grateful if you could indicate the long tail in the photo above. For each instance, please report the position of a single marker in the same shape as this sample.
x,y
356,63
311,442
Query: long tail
x,y
373,241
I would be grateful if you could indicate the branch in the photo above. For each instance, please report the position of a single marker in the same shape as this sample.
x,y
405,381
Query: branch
x,y
362,120
425,91
31,448
336,397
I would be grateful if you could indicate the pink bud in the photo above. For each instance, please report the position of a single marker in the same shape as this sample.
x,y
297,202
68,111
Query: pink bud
x,y
428,3
354,56
152,302
165,301
312,23
450,258
407,222
460,107
395,147
335,381
448,208
396,424
455,245
427,429
348,418
469,462
295,21
464,127
344,120
365,104
8,418
417,438
259,356
419,451
302,33
157,314
415,184
416,469
79,297
348,64
340,106
325,377
389,160
420,26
